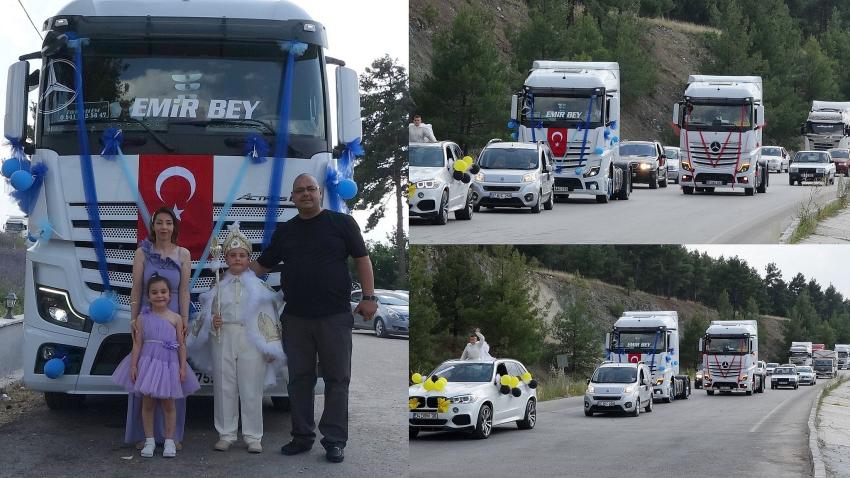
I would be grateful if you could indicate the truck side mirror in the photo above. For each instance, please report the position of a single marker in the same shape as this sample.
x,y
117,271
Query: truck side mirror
x,y
348,123
514,102
676,120
613,111
700,345
759,116
15,119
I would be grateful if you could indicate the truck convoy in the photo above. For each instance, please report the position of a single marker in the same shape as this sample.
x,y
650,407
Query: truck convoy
x,y
651,337
575,108
212,99
730,356
843,351
825,363
720,122
800,353
827,127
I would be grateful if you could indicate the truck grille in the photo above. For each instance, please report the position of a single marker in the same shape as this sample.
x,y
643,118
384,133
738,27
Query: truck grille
x,y
728,157
573,153
717,370
118,223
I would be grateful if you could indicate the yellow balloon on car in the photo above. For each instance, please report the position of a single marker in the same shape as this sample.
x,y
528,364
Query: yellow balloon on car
x,y
416,378
460,166
526,377
505,380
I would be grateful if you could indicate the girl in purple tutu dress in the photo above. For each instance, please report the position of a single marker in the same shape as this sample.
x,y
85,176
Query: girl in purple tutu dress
x,y
156,368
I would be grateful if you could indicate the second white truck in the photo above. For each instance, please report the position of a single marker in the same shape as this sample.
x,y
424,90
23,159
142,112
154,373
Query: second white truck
x,y
800,353
730,357
827,126
651,337
825,363
843,351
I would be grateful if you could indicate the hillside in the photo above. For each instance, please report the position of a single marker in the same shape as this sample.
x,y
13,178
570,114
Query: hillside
x,y
605,301
675,47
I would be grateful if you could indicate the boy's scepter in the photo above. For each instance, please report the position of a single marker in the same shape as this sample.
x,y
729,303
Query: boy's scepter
x,y
215,252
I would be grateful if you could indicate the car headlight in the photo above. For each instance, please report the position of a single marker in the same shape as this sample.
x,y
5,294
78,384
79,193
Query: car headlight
x,y
590,389
428,184
629,389
528,177
463,399
592,172
479,177
645,166
699,375
54,306
744,168
393,314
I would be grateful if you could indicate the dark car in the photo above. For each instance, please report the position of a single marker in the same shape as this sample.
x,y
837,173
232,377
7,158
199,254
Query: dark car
x,y
842,160
650,160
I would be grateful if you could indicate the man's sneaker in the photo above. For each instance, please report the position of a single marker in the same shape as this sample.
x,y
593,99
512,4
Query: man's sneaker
x,y
222,445
255,447
150,446
169,450
335,454
295,447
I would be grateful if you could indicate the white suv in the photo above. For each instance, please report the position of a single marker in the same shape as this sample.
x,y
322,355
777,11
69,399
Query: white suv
x,y
434,191
514,175
473,398
619,387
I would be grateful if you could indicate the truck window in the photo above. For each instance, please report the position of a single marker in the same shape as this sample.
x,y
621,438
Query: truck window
x,y
725,345
563,111
720,116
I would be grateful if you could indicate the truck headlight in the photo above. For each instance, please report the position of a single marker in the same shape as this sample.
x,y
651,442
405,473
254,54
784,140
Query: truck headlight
x,y
744,168
529,177
592,172
659,381
463,399
54,306
428,184
590,389
744,378
687,166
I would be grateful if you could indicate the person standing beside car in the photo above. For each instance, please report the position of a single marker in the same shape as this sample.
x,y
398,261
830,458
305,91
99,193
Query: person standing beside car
x,y
313,248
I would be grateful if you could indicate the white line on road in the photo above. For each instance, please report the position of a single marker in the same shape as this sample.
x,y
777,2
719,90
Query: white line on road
x,y
757,425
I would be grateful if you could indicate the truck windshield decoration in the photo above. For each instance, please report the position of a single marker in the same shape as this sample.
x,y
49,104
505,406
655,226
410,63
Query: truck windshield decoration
x,y
563,111
645,342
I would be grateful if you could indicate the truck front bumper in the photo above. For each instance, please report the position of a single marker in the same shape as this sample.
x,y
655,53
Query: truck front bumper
x,y
717,179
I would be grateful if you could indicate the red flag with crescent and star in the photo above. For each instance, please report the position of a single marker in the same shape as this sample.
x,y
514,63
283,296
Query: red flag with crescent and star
x,y
557,138
185,184
634,358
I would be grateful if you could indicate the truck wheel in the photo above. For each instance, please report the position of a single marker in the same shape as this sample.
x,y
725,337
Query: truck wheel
x,y
762,188
688,190
653,181
623,193
485,422
749,191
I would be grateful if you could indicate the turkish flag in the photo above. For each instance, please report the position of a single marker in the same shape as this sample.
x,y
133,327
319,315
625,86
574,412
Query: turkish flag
x,y
183,183
634,358
557,138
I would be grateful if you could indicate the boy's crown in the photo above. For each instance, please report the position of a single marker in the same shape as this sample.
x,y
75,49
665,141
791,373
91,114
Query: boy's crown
x,y
236,240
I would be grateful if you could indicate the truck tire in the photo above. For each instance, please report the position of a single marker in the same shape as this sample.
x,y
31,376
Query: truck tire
x,y
762,188
688,190
623,193
750,191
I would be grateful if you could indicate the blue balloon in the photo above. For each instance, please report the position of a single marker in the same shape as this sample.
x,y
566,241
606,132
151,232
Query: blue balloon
x,y
598,150
511,124
346,189
22,180
613,125
54,368
661,368
615,139
667,358
607,133
102,310
675,362
10,166
514,136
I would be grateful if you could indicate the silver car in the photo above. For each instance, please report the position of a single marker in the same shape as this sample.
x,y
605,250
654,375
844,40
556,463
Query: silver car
x,y
391,318
807,375
619,387
514,175
673,158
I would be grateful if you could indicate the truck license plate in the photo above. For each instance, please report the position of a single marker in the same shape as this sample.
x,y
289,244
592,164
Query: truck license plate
x,y
425,415
716,183
500,195
606,404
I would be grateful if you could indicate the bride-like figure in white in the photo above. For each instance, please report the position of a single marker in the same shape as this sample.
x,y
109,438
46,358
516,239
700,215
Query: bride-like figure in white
x,y
477,348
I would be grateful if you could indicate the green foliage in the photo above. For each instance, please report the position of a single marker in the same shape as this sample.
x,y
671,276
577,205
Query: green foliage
x,y
578,337
724,308
422,341
693,330
623,35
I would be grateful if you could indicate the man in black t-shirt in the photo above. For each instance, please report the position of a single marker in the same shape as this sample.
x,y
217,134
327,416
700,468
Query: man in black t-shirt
x,y
313,248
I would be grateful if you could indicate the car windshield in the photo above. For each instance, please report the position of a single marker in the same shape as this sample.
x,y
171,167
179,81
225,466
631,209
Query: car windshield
x,y
615,375
508,158
771,151
784,371
391,300
772,365
824,128
726,345
425,156
804,369
672,153
811,157
637,149
840,153
465,372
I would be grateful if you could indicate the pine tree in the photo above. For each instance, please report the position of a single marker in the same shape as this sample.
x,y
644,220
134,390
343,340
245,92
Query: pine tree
x,y
693,330
423,308
724,308
578,337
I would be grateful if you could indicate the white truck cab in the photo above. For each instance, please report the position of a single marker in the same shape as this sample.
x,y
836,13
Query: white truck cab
x,y
434,189
730,357
827,126
843,350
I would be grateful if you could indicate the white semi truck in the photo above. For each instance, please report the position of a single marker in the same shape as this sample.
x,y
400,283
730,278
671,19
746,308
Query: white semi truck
x,y
575,108
825,363
651,337
843,351
800,353
827,126
720,122
730,357
212,98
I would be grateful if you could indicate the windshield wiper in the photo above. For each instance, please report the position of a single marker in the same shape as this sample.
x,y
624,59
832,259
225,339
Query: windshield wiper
x,y
153,133
241,122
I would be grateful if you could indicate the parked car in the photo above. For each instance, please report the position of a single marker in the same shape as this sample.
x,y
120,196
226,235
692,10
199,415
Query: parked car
x,y
433,191
391,318
619,387
698,378
514,175
812,166
770,367
777,158
784,376
477,402
651,162
673,159
842,160
807,375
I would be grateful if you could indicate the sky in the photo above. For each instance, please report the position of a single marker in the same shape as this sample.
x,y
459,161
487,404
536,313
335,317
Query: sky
x,y
826,263
358,33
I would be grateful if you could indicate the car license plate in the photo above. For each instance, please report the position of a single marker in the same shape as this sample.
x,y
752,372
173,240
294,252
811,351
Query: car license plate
x,y
606,404
562,189
716,183
203,378
500,195
425,415
725,387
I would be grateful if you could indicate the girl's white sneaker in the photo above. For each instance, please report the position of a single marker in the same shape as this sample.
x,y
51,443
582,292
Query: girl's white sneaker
x,y
170,449
150,446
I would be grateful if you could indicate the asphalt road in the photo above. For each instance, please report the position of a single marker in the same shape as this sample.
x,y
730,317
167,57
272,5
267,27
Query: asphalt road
x,y
763,435
660,216
89,442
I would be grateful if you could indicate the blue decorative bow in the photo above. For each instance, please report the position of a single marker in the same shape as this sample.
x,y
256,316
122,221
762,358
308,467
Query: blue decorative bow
x,y
256,148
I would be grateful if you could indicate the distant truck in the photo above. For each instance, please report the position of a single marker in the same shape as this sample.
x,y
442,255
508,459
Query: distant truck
x,y
825,363
843,351
828,126
16,225
730,357
720,122
574,107
651,337
800,353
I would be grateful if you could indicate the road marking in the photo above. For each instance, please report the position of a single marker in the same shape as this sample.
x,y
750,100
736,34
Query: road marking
x,y
755,427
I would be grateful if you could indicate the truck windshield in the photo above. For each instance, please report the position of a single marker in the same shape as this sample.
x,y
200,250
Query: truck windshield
x,y
615,375
563,111
726,345
823,363
840,153
465,372
425,157
641,342
799,353
191,95
842,354
824,128
508,158
719,117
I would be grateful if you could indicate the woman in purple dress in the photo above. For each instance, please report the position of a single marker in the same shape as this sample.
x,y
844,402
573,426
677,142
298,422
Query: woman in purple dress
x,y
160,255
